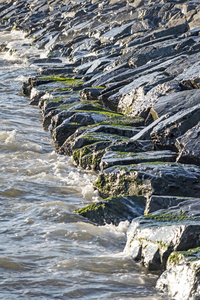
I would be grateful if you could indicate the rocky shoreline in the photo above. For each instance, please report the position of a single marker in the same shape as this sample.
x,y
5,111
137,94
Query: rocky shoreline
x,y
119,91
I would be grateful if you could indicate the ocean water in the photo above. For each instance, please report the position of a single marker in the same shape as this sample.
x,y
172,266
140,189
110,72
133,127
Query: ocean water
x,y
46,250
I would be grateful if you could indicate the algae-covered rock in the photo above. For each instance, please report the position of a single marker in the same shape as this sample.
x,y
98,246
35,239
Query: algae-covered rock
x,y
157,178
152,238
85,114
181,280
114,210
89,156
112,127
111,158
91,136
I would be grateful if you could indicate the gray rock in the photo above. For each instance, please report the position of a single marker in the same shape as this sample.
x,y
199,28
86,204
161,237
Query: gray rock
x,y
35,96
181,280
152,238
148,179
116,32
111,158
89,156
189,146
190,79
165,133
132,146
90,93
144,134
155,202
175,102
114,210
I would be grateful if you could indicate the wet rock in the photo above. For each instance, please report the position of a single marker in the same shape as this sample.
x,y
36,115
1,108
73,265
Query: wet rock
x,y
165,133
135,97
35,96
182,270
89,157
111,158
114,210
175,102
148,179
152,238
189,146
93,136
132,146
144,134
90,94
190,79
26,89
116,32
155,202
69,126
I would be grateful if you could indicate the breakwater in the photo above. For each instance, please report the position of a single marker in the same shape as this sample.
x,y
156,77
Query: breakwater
x,y
119,91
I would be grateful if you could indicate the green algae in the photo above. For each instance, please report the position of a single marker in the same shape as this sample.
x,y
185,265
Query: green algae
x,y
195,252
65,80
175,258
90,208
168,217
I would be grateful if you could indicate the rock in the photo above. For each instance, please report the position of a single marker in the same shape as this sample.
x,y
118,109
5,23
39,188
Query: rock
x,y
132,146
190,79
148,179
114,210
136,64
116,32
136,3
134,91
35,96
165,133
194,20
189,146
144,134
88,114
152,238
89,156
155,202
111,158
181,279
26,89
175,102
119,131
90,94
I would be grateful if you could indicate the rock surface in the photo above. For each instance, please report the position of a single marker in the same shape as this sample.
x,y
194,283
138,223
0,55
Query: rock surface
x,y
114,210
153,237
181,280
172,179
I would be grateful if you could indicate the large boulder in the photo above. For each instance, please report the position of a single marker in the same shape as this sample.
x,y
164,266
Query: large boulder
x,y
165,133
152,238
114,210
156,202
181,280
175,102
112,158
148,179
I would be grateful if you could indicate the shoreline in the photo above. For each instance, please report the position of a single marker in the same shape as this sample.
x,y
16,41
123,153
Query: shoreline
x,y
123,99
